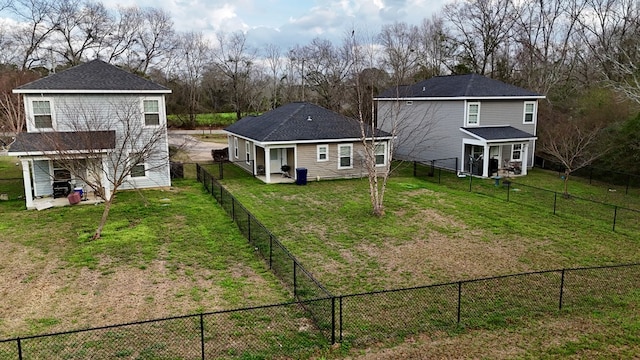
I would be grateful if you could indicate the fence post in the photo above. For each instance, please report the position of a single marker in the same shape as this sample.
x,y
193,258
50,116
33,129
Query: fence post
x,y
459,300
220,171
340,315
233,208
249,226
615,216
555,200
333,320
626,192
295,290
471,178
433,168
415,165
561,290
198,173
439,175
19,348
212,183
202,335
270,251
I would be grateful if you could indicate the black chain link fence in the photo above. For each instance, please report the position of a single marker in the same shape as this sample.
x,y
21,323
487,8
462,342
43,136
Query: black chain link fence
x,y
318,319
262,332
615,217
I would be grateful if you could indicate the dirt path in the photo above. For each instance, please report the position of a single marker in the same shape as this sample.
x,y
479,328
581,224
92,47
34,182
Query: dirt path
x,y
197,150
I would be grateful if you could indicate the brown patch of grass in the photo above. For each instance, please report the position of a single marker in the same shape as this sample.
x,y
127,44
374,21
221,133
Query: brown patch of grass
x,y
82,298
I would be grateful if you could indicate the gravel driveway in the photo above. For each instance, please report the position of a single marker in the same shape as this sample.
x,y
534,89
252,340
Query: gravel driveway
x,y
197,150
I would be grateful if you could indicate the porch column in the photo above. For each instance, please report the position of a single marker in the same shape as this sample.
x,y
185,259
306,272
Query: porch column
x,y
26,178
485,161
267,164
104,179
525,158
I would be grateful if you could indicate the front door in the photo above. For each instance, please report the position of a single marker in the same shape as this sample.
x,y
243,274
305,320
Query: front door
x,y
277,158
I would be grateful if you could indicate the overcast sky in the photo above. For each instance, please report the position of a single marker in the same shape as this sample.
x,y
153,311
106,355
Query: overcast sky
x,y
289,22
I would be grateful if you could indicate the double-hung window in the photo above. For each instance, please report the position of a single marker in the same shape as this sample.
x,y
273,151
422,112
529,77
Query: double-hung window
x,y
42,114
516,152
345,156
381,154
151,112
473,114
139,168
529,112
322,153
247,150
235,147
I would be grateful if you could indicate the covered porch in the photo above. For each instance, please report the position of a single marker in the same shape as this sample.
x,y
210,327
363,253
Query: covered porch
x,y
493,151
275,163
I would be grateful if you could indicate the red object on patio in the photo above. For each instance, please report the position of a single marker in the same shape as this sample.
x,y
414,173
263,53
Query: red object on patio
x,y
74,198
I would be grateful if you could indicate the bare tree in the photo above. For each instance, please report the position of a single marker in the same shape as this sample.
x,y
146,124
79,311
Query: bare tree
x,y
573,143
481,29
236,60
326,69
401,57
397,122
107,162
35,29
273,56
80,27
12,119
195,50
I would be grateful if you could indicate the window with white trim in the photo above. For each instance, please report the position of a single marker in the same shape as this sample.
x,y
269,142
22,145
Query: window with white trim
x,y
235,147
473,114
380,152
247,150
345,156
151,110
42,118
139,168
322,153
529,112
516,152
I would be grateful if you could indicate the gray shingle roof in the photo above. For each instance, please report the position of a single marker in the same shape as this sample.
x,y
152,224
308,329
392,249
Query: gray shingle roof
x,y
94,75
64,141
490,133
298,121
452,86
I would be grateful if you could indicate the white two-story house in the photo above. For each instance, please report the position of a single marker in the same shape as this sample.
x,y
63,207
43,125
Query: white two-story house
x,y
486,124
97,118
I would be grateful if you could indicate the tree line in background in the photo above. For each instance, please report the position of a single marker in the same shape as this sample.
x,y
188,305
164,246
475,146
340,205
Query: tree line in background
x,y
582,54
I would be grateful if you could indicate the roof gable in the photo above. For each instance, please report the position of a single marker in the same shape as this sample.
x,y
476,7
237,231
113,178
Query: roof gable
x,y
458,86
298,121
95,75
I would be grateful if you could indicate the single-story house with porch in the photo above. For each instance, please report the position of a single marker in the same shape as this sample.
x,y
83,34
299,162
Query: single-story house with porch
x,y
301,135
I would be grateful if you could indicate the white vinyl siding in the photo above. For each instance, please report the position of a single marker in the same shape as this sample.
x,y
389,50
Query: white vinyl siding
x,y
345,156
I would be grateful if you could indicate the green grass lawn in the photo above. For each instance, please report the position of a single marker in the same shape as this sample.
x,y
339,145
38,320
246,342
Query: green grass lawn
x,y
162,253
431,233
215,120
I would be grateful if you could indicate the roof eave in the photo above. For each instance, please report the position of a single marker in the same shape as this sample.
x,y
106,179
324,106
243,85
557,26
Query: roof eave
x,y
95,91
458,98
59,152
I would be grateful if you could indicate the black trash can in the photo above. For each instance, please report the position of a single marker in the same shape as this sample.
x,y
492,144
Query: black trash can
x,y
301,176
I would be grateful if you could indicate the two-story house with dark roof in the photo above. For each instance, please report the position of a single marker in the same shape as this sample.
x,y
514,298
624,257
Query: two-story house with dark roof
x,y
326,144
97,115
486,124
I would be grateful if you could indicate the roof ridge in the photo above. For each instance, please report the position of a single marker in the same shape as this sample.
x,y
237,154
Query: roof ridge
x,y
284,121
